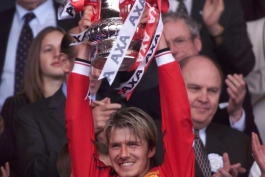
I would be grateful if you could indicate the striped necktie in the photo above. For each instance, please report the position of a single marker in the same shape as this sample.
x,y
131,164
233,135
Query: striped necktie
x,y
201,155
24,42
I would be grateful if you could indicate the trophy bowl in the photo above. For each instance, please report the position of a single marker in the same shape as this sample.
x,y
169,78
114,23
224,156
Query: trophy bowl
x,y
104,32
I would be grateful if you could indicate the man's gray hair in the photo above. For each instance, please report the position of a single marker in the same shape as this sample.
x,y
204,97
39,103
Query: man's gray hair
x,y
193,26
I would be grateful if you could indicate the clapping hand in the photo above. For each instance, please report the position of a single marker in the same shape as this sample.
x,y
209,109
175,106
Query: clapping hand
x,y
5,170
229,170
236,91
259,153
212,12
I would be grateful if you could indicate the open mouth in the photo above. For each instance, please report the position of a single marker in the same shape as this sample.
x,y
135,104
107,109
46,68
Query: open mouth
x,y
126,164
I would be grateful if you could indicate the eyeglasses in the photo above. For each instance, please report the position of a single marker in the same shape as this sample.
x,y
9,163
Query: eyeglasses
x,y
181,42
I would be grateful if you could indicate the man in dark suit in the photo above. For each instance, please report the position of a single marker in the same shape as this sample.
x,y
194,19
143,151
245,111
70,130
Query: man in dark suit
x,y
203,81
11,22
202,78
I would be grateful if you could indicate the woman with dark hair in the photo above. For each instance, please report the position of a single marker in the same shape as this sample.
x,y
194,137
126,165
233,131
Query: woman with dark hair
x,y
43,77
43,74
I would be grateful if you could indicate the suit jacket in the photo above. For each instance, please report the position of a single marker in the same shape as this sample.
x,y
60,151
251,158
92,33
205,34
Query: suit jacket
x,y
7,140
41,134
6,4
253,9
235,53
6,18
255,79
219,139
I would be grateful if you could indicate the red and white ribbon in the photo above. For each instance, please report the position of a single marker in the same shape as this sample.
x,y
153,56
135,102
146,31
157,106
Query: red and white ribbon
x,y
66,11
79,38
122,42
69,8
130,85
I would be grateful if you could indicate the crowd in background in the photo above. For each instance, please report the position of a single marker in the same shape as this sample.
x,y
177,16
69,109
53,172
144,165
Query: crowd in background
x,y
220,48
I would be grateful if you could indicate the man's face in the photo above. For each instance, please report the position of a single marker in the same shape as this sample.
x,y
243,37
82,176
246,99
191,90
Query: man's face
x,y
203,83
179,40
130,157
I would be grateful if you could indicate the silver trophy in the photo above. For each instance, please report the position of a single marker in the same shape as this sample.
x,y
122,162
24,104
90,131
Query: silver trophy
x,y
104,32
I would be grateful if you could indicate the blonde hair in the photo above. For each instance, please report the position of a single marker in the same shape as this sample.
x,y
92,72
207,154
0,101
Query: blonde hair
x,y
139,122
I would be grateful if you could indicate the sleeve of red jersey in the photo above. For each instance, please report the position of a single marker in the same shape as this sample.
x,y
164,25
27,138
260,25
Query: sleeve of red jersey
x,y
79,121
177,126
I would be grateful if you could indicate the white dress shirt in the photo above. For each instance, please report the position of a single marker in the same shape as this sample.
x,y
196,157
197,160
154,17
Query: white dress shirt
x,y
202,134
240,125
255,170
45,16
